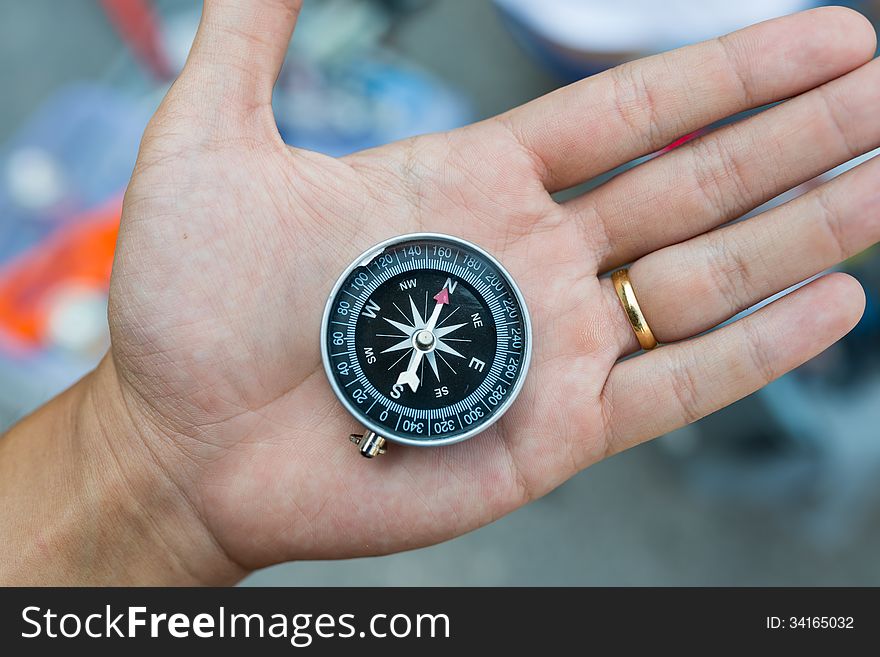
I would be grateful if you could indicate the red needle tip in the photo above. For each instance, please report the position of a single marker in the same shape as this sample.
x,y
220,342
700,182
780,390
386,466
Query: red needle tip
x,y
442,296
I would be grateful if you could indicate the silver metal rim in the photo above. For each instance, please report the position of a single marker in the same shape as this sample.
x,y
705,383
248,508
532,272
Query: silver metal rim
x,y
368,256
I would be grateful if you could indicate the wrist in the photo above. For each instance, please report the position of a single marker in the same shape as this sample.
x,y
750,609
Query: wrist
x,y
88,502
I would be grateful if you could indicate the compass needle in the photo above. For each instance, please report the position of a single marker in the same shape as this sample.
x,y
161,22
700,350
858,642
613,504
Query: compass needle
x,y
380,375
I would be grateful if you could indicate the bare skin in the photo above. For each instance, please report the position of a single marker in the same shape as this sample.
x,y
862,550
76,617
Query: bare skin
x,y
208,443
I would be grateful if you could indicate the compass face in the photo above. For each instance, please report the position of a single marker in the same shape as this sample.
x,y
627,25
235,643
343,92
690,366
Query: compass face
x,y
426,339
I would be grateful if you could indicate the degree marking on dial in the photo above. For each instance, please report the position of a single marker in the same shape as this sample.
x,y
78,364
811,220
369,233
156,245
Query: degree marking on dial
x,y
466,274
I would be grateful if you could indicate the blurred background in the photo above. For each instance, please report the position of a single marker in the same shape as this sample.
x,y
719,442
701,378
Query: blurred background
x,y
778,489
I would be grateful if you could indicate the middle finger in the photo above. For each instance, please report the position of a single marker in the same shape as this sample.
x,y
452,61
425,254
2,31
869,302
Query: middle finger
x,y
719,177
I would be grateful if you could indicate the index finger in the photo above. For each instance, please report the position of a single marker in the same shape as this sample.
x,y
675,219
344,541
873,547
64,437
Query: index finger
x,y
599,123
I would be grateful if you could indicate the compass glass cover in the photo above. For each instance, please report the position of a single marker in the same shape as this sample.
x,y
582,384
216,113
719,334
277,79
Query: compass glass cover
x,y
427,341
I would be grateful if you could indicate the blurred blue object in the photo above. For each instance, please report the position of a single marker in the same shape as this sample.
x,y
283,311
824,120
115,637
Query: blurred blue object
x,y
76,151
361,102
340,89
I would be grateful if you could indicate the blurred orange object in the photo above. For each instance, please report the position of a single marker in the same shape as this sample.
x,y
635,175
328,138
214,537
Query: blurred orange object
x,y
137,22
78,254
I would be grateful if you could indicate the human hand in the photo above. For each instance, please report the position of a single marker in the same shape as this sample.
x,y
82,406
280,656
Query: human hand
x,y
231,241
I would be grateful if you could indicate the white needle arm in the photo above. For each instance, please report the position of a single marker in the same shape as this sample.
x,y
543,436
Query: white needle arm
x,y
409,376
442,298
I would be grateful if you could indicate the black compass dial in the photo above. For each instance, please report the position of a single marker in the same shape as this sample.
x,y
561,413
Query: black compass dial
x,y
464,325
426,340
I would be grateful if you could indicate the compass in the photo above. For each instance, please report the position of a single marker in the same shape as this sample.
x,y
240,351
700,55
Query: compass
x,y
426,341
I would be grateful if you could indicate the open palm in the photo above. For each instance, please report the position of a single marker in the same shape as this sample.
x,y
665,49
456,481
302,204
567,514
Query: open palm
x,y
231,242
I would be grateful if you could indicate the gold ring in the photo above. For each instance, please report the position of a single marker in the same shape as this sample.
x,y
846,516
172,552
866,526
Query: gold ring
x,y
627,297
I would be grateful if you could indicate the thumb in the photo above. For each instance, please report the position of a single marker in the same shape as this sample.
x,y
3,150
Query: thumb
x,y
237,53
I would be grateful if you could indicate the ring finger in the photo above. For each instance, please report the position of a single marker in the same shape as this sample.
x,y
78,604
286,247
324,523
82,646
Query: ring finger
x,y
690,287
